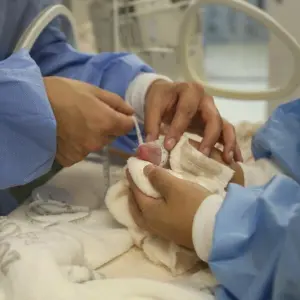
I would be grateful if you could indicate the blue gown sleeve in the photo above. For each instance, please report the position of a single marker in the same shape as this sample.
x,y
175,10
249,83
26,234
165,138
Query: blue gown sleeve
x,y
256,247
110,71
27,123
256,244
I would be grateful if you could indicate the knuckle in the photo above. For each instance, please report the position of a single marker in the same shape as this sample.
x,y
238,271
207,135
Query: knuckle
x,y
229,128
183,85
210,99
90,145
198,87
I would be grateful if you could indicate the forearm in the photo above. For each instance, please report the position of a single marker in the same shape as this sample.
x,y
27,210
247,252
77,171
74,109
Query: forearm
x,y
111,71
28,126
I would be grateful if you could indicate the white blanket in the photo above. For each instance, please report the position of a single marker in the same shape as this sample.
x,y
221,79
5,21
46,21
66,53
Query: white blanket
x,y
92,258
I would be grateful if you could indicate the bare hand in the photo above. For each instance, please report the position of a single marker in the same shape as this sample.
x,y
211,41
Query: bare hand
x,y
186,107
88,118
171,216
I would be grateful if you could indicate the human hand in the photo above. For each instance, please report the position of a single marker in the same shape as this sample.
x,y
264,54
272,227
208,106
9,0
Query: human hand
x,y
88,118
171,216
186,107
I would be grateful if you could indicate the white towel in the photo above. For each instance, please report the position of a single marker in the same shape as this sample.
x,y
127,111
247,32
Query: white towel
x,y
52,257
47,264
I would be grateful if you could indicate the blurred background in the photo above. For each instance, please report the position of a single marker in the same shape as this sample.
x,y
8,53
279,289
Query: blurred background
x,y
227,48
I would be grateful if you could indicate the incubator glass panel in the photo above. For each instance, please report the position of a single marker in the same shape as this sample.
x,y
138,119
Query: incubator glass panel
x,y
235,47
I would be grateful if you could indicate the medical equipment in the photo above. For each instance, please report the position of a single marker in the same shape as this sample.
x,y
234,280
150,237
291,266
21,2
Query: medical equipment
x,y
254,12
135,11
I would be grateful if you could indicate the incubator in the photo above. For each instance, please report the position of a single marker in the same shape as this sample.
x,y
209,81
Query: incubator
x,y
185,31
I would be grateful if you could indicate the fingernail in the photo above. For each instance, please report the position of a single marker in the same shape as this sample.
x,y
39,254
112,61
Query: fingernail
x,y
148,169
205,151
170,143
149,138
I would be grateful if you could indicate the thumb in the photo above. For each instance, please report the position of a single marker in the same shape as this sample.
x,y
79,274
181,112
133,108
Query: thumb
x,y
161,179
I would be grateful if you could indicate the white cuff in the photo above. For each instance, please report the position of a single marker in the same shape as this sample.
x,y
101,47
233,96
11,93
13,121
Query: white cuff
x,y
137,90
204,225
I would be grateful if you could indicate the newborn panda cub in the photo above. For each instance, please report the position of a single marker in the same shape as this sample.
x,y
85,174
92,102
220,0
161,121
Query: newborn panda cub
x,y
184,162
153,152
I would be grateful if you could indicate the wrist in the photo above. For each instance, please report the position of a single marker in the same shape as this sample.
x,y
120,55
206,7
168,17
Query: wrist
x,y
138,91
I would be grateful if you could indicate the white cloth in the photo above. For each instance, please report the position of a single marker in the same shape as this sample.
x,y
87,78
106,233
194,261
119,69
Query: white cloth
x,y
65,256
186,163
50,264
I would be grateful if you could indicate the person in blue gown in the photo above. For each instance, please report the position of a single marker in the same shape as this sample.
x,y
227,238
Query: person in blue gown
x,y
255,251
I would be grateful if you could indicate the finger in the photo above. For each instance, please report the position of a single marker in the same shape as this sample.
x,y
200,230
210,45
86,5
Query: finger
x,y
213,127
135,212
123,124
215,153
153,118
186,109
161,180
238,154
114,123
229,142
164,128
144,202
114,101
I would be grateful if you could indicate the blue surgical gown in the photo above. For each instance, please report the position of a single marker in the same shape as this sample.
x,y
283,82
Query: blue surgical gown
x,y
256,246
27,124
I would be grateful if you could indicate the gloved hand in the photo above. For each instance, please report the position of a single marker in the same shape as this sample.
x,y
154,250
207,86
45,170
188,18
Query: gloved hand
x,y
88,118
186,107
